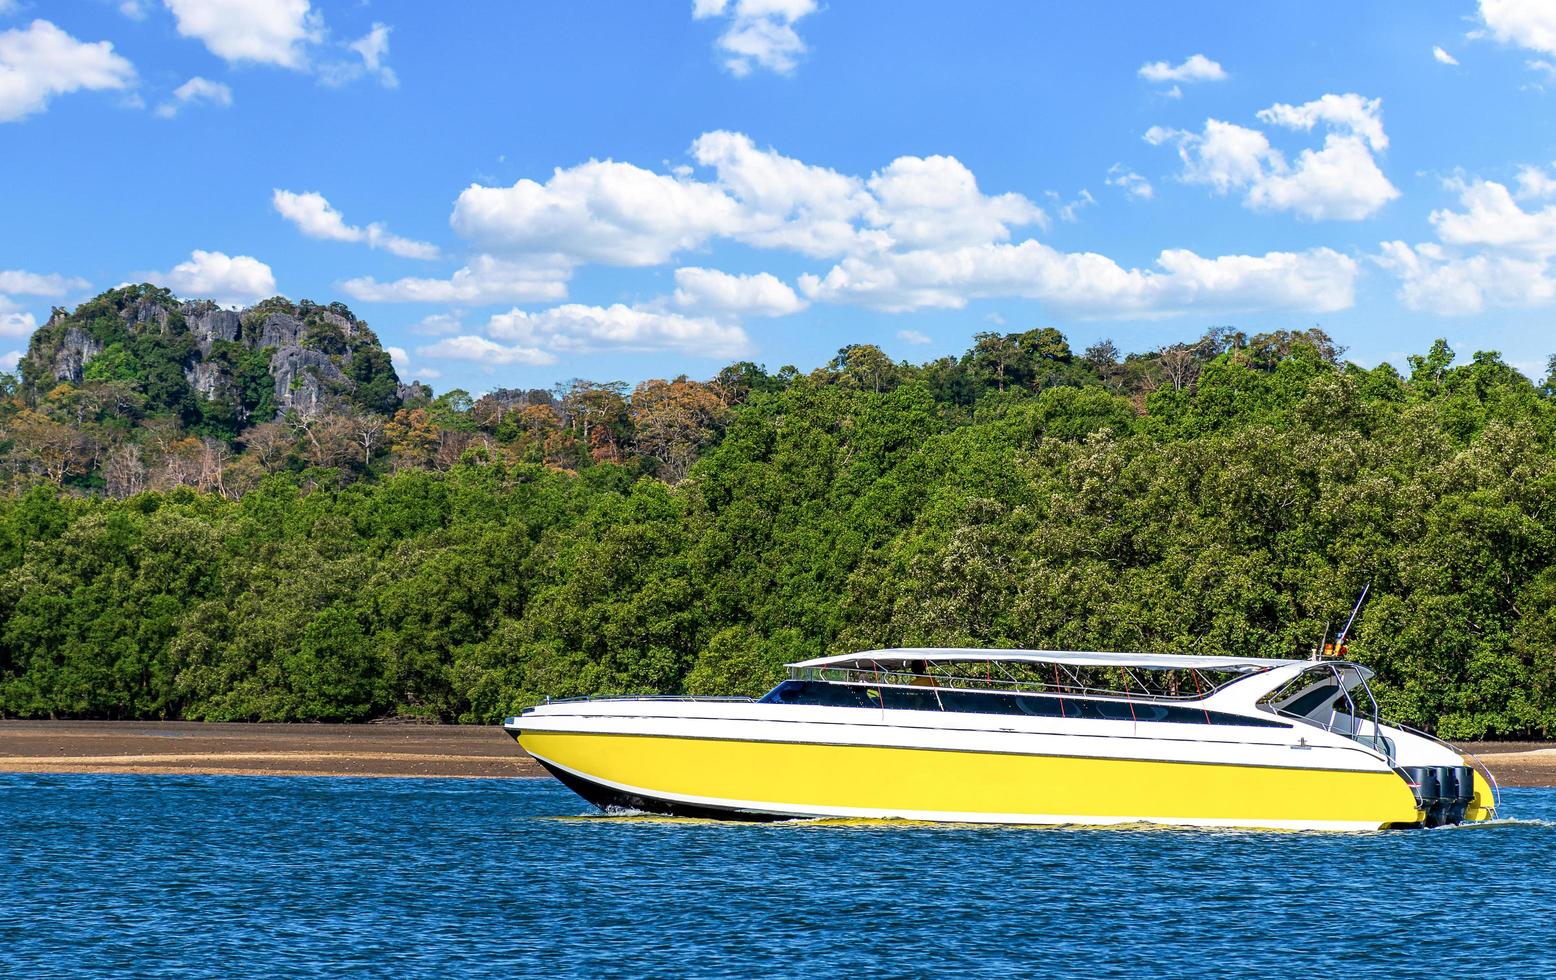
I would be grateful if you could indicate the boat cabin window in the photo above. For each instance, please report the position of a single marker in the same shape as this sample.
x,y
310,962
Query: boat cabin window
x,y
918,698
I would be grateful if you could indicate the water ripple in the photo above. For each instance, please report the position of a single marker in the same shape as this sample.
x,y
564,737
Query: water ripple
x,y
274,876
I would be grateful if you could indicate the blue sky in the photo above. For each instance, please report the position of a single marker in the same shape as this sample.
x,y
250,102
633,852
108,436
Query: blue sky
x,y
514,194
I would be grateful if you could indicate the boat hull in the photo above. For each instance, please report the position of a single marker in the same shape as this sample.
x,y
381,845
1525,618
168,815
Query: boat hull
x,y
765,780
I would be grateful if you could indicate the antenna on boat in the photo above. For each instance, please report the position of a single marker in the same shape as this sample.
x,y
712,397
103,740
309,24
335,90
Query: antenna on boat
x,y
1339,641
1319,649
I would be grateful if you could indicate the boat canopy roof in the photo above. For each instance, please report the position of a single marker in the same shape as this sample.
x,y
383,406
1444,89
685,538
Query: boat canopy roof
x,y
1074,658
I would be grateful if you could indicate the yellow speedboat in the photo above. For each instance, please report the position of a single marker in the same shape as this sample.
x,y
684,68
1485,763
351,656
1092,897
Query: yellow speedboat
x,y
1019,736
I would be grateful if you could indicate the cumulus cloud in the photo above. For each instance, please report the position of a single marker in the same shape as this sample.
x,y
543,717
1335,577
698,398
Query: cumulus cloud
x,y
196,90
1534,182
919,232
760,33
935,201
1442,57
405,369
9,360
1129,182
265,32
1086,284
1529,24
712,291
40,61
1490,253
621,214
485,280
229,279
1435,280
469,347
314,217
913,337
36,284
1340,181
787,203
600,211
1194,68
583,328
15,322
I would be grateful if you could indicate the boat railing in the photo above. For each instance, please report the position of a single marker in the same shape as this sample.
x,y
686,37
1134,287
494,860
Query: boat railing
x,y
1068,685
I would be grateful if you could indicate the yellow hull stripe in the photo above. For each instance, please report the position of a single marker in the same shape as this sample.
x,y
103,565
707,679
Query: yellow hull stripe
x,y
788,777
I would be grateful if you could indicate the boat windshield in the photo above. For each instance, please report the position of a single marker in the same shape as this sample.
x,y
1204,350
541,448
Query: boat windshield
x,y
1335,697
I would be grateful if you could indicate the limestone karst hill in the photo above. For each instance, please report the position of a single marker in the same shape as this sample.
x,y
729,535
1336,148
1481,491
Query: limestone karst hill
x,y
218,369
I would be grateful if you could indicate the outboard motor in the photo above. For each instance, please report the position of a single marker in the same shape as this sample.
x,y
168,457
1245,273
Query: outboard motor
x,y
1463,784
1443,793
1425,784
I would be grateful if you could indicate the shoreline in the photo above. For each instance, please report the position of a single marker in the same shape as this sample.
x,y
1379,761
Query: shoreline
x,y
404,750
262,749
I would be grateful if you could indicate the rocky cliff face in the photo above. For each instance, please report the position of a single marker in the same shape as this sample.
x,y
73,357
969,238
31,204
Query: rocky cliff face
x,y
315,356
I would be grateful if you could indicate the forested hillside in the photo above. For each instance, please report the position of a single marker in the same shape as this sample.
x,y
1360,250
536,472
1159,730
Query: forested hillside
x,y
183,534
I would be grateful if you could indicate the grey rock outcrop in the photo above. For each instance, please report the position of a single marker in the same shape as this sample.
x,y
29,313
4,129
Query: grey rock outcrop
x,y
210,323
75,350
205,378
303,378
413,392
280,331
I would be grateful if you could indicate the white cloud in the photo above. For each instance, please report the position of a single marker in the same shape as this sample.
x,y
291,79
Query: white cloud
x,y
40,61
917,233
1070,211
1535,183
486,279
935,201
712,291
1129,182
1195,68
197,89
600,211
1443,57
15,321
784,202
1341,181
1090,285
374,48
1349,114
622,214
34,284
229,279
1434,280
314,217
760,33
472,348
266,32
9,360
438,324
399,357
133,9
584,328
1527,24
913,337
1492,218
1491,253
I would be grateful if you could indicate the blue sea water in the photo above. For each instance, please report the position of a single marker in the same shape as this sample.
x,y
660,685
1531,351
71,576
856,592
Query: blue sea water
x,y
294,876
